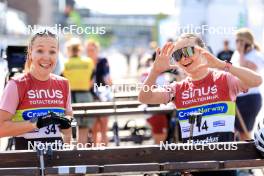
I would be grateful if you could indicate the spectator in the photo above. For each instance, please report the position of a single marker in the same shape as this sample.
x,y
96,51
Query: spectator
x,y
75,67
226,54
158,122
248,55
101,77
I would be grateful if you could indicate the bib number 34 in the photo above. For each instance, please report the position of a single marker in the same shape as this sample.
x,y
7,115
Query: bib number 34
x,y
51,129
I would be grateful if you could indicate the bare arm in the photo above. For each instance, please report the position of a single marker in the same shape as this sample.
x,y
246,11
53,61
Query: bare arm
x,y
149,94
247,77
9,128
108,80
152,96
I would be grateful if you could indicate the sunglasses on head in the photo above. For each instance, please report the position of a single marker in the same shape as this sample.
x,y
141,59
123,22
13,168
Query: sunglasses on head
x,y
186,52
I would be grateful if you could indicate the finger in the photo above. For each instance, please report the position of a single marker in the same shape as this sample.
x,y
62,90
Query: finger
x,y
164,49
158,52
170,44
207,55
171,50
174,67
204,53
198,49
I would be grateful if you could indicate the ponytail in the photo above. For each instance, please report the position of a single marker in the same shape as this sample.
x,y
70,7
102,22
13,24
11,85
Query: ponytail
x,y
43,33
28,61
257,46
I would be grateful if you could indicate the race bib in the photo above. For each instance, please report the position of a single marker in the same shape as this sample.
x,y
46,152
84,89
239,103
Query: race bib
x,y
216,118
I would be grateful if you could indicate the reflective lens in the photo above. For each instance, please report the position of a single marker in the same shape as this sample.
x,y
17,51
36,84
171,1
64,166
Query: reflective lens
x,y
186,52
177,55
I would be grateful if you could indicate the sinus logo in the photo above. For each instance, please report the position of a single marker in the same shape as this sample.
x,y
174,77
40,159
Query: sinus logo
x,y
199,92
42,93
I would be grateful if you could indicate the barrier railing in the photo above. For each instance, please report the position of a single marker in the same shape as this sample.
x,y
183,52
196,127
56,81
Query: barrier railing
x,y
123,160
122,111
107,105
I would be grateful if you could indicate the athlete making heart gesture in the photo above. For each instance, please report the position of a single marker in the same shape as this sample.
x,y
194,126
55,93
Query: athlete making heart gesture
x,y
210,88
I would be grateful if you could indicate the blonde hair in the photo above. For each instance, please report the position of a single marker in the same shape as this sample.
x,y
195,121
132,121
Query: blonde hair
x,y
197,39
74,47
43,33
247,35
93,42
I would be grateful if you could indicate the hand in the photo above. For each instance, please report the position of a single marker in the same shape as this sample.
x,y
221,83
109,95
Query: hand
x,y
63,122
210,60
52,118
162,61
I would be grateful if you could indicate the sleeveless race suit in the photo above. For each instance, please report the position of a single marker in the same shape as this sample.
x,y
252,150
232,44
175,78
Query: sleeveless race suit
x,y
209,96
37,98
